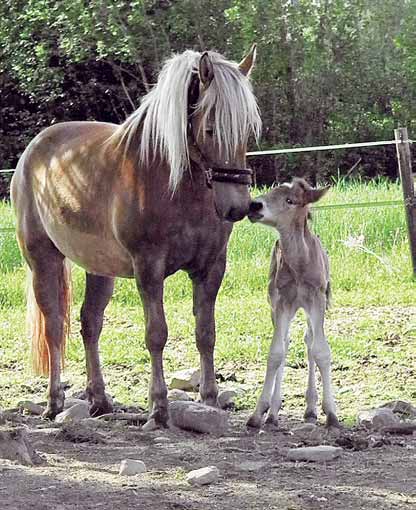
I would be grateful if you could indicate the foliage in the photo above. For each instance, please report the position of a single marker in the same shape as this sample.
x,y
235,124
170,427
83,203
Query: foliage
x,y
328,71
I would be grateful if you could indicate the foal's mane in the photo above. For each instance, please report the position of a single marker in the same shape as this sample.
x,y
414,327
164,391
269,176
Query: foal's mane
x,y
163,114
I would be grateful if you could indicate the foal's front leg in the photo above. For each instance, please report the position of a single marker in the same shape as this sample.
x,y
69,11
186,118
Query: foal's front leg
x,y
205,290
149,278
274,371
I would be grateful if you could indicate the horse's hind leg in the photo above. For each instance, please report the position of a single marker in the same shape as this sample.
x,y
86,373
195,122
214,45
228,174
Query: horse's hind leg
x,y
51,291
98,291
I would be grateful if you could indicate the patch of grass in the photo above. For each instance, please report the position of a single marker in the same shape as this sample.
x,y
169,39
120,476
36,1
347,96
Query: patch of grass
x,y
371,325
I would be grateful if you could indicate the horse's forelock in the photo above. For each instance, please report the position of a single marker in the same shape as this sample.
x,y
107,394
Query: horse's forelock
x,y
163,113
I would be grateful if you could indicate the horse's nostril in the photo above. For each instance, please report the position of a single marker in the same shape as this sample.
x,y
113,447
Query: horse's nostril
x,y
255,206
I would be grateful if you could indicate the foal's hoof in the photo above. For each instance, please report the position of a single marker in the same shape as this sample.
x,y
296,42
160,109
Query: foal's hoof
x,y
100,407
310,417
272,420
254,422
332,422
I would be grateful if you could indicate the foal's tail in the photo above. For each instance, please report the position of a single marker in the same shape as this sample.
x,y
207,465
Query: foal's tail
x,y
36,321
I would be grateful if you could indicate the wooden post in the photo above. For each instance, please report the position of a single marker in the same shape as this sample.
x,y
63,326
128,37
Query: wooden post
x,y
405,169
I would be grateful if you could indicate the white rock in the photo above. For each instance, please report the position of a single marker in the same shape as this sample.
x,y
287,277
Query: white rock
x,y
198,417
203,476
307,432
31,407
71,402
401,407
226,398
377,418
74,413
129,467
176,394
187,380
150,425
320,453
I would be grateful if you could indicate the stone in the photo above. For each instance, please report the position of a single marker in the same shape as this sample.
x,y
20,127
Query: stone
x,y
130,467
322,453
187,380
2,418
71,402
251,466
161,440
308,432
198,417
377,418
226,398
31,407
203,476
406,409
15,446
74,413
150,425
176,394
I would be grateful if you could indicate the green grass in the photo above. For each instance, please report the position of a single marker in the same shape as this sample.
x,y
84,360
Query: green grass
x,y
371,325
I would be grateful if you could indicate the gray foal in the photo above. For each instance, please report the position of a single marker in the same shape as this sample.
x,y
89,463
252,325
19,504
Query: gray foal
x,y
299,278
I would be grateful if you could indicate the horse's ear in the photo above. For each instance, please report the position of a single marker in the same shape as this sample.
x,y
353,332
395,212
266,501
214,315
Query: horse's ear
x,y
313,195
206,70
247,64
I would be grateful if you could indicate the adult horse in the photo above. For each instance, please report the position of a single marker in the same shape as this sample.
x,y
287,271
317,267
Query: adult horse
x,y
141,200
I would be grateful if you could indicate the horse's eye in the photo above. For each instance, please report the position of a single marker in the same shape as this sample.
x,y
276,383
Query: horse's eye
x,y
289,201
209,132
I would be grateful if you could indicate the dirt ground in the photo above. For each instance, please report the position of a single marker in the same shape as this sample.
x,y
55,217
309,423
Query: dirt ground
x,y
255,473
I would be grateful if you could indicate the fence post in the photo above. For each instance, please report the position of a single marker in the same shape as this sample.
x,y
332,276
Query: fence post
x,y
405,169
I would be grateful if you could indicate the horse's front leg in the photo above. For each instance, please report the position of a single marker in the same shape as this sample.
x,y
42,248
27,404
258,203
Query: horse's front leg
x,y
149,277
205,290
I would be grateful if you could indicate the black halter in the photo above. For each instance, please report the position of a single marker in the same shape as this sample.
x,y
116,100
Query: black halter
x,y
213,173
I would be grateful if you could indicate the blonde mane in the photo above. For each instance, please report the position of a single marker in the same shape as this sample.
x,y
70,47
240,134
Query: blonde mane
x,y
163,114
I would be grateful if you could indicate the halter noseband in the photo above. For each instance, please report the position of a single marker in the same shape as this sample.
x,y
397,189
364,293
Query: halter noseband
x,y
232,175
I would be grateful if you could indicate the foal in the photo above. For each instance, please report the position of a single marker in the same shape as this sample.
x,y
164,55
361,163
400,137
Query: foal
x,y
299,278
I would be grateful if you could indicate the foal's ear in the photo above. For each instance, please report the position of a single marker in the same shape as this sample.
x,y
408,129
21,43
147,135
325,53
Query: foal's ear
x,y
206,70
247,64
313,195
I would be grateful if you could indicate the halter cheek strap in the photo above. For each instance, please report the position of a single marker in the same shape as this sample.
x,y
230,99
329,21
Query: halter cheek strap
x,y
242,176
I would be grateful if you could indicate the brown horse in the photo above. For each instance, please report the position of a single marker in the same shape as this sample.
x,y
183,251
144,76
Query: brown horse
x,y
141,200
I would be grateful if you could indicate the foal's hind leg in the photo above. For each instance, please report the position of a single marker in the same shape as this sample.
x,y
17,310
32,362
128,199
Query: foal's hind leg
x,y
48,280
205,290
321,353
311,393
98,291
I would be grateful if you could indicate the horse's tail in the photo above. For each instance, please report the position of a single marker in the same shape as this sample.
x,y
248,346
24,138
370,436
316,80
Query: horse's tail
x,y
36,321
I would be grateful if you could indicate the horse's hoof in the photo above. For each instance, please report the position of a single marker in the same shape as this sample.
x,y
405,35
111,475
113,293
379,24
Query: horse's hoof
x,y
98,408
332,422
254,422
50,412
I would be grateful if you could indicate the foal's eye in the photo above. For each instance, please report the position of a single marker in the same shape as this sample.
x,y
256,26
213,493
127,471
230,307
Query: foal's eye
x,y
289,201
